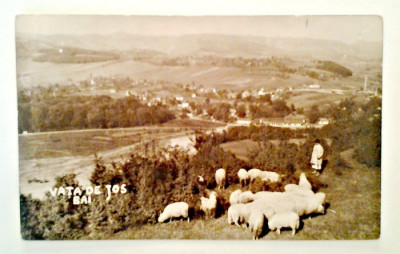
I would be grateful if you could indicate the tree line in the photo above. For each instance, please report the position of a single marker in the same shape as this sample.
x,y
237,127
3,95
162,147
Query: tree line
x,y
50,113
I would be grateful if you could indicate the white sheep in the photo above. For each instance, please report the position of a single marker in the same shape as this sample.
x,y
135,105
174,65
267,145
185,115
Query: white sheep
x,y
253,174
234,197
303,204
243,176
245,197
291,187
298,189
220,177
283,220
270,176
320,196
268,194
273,202
209,205
175,210
304,182
234,214
256,223
240,213
239,197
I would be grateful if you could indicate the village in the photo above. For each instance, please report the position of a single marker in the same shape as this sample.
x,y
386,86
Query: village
x,y
240,107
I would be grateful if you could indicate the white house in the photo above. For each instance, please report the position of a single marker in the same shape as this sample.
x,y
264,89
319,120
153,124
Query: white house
x,y
261,92
323,121
243,122
184,105
246,94
314,86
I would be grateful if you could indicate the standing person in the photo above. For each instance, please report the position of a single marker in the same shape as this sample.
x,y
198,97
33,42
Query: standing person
x,y
316,157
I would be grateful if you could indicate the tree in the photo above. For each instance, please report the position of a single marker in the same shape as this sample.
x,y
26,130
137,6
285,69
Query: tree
x,y
313,114
222,112
241,110
281,108
265,98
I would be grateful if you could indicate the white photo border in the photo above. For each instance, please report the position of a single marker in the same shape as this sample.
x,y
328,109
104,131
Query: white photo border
x,y
10,240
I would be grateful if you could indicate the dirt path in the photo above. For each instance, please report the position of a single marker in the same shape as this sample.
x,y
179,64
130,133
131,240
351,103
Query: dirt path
x,y
37,176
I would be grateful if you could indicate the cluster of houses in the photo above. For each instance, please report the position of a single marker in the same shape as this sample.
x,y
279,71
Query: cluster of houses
x,y
294,122
181,104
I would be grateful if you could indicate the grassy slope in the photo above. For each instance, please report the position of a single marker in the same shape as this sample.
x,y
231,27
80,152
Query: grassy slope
x,y
353,212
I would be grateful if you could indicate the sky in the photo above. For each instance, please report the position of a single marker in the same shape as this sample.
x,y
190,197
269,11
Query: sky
x,y
341,28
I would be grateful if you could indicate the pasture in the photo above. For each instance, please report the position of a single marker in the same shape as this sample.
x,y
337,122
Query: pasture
x,y
352,212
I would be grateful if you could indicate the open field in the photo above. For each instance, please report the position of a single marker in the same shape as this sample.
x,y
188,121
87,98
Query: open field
x,y
44,156
32,74
352,212
240,148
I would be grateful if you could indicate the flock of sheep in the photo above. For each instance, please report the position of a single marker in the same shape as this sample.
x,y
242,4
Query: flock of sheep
x,y
281,209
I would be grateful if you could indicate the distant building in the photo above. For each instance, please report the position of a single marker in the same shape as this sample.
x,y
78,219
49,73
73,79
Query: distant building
x,y
243,122
261,92
323,121
184,105
314,86
246,94
291,121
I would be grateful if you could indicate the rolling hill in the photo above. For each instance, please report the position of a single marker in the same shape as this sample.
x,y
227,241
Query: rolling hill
x,y
141,57
221,45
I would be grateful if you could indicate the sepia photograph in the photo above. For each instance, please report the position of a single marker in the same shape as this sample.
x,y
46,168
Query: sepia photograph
x,y
199,127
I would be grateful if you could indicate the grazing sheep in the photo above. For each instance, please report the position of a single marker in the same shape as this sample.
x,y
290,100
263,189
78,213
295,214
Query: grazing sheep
x,y
256,223
175,210
234,197
253,174
270,176
284,219
240,213
273,202
234,212
239,197
291,187
320,196
298,189
243,176
209,205
304,204
246,197
220,177
304,182
307,205
268,194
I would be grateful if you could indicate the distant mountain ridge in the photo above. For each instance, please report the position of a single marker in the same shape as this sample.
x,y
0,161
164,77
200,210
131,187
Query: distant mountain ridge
x,y
207,44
